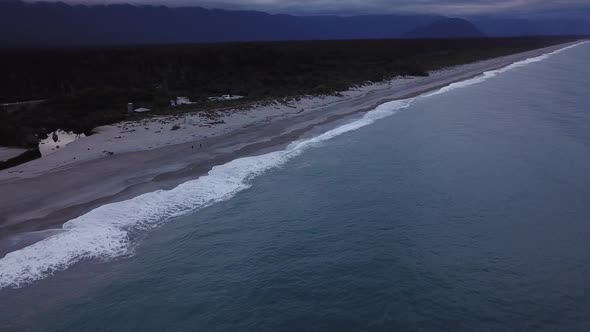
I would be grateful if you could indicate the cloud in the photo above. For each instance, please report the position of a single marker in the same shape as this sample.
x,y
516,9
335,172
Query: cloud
x,y
445,7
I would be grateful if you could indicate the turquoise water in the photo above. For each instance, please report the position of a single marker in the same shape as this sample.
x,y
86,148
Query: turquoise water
x,y
464,210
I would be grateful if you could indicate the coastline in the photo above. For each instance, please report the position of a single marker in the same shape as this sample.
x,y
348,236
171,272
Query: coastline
x,y
50,191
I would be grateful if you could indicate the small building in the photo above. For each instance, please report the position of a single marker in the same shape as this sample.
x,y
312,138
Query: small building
x,y
181,101
225,97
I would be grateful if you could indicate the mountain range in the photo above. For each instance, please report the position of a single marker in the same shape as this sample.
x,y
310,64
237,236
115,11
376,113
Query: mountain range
x,y
446,28
60,24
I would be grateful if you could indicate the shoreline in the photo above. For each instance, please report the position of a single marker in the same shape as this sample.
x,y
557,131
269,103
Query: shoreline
x,y
47,192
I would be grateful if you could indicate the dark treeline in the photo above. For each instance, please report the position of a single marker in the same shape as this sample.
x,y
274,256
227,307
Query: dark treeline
x,y
88,87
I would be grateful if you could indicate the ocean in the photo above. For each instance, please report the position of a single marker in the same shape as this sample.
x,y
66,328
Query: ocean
x,y
467,208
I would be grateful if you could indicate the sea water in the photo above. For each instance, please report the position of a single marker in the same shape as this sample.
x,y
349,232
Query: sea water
x,y
467,208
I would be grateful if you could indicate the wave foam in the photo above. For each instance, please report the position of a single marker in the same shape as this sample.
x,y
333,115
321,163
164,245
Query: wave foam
x,y
492,73
104,232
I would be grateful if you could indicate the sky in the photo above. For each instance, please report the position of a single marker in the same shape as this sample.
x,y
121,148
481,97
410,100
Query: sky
x,y
443,7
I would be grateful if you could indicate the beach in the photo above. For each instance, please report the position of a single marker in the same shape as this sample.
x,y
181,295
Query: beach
x,y
128,159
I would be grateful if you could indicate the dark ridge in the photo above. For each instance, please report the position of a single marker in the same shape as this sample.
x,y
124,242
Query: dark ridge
x,y
508,27
446,28
59,24
50,24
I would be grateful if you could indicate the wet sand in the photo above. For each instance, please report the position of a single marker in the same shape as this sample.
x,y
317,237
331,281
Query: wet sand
x,y
126,160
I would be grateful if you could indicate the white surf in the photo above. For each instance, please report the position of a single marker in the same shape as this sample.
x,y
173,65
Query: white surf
x,y
104,233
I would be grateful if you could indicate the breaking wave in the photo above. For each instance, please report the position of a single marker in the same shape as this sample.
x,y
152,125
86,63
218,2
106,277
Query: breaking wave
x,y
492,73
105,232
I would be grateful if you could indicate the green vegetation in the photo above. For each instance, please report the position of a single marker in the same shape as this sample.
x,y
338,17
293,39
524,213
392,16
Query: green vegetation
x,y
88,87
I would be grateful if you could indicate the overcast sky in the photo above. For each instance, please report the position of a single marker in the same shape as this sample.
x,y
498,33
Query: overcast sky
x,y
446,7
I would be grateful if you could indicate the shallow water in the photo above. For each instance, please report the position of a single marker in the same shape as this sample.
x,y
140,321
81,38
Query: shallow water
x,y
465,210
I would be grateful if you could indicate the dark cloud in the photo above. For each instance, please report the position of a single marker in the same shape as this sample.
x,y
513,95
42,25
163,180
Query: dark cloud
x,y
446,7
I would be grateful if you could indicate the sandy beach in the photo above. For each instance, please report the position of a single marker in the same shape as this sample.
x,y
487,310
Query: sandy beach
x,y
127,159
7,153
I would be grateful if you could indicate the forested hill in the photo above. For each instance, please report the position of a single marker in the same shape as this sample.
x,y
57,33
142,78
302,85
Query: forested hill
x,y
59,24
446,28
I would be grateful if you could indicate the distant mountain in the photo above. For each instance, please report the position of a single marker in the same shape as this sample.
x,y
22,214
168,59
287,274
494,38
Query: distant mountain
x,y
446,28
44,23
59,24
507,27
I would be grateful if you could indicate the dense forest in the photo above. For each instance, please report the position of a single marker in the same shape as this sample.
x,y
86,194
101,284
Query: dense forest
x,y
82,88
